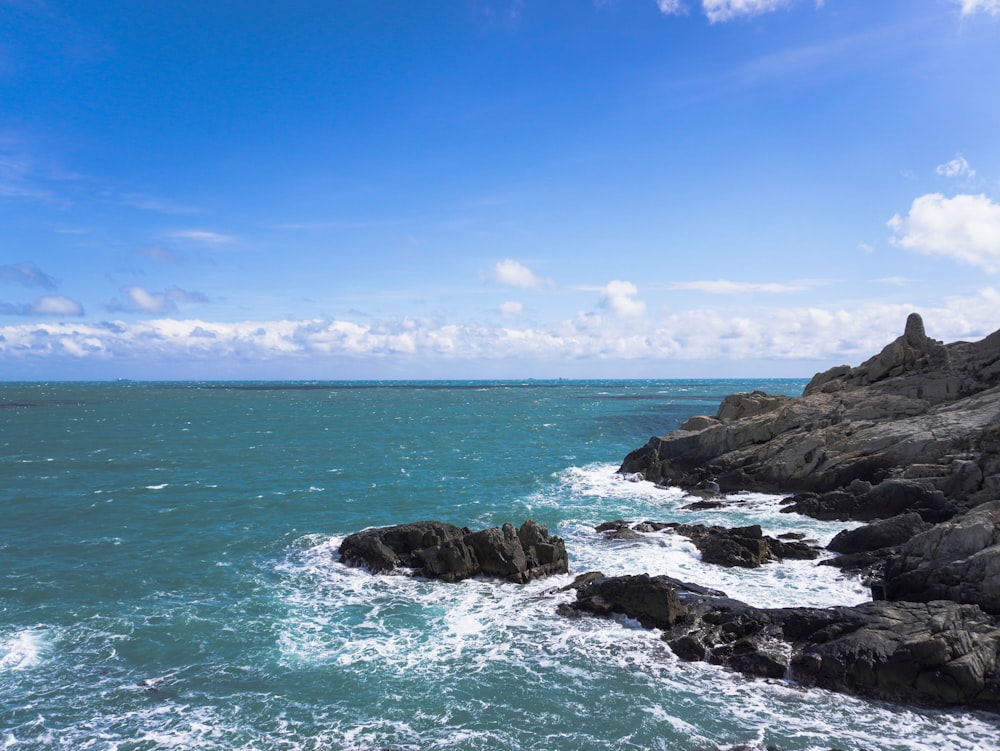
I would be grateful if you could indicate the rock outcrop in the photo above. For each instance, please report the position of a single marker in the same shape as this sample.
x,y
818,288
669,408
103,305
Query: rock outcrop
x,y
443,551
919,411
958,560
938,654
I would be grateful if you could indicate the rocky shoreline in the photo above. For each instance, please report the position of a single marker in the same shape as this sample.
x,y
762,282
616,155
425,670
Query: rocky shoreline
x,y
908,441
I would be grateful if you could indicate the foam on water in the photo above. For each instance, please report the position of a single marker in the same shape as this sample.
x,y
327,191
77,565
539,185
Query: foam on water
x,y
167,588
477,640
23,649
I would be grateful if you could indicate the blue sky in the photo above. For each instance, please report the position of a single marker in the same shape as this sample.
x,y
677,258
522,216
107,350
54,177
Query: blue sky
x,y
492,188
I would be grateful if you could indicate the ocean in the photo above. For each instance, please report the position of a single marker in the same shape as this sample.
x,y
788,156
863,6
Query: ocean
x,y
169,577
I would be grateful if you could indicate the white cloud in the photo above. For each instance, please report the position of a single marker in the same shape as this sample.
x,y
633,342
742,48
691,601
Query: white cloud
x,y
965,228
957,167
971,7
57,305
726,10
201,237
729,287
619,297
708,334
47,305
671,7
514,274
511,308
141,300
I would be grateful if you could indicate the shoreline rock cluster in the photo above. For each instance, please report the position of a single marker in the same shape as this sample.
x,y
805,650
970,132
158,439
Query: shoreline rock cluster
x,y
908,441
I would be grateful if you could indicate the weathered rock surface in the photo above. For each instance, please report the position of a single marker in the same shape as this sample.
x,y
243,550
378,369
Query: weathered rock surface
x,y
443,551
941,653
879,535
957,560
919,411
744,547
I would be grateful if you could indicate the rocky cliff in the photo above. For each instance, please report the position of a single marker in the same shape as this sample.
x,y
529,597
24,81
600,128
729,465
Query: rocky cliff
x,y
920,414
909,441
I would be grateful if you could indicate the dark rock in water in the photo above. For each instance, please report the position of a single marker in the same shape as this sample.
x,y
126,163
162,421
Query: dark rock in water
x,y
958,560
703,505
937,653
651,600
918,411
444,551
744,547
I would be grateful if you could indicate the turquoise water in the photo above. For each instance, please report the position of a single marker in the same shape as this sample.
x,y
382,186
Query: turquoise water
x,y
169,575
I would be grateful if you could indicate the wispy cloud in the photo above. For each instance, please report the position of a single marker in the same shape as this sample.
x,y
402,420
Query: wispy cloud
x,y
27,275
727,10
972,7
512,308
201,237
672,7
161,254
159,205
957,167
965,228
47,305
729,287
718,11
514,274
140,300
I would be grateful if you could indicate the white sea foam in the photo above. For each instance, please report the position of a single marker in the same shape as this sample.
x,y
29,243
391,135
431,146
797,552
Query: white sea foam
x,y
23,649
384,627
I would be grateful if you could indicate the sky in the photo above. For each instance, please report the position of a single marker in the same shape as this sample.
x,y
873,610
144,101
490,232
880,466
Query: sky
x,y
492,188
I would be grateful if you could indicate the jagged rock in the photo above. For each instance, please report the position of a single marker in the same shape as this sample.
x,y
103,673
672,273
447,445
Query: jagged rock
x,y
957,560
918,411
938,653
444,551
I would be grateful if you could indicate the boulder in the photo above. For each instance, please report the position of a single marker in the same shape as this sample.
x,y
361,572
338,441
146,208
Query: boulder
x,y
443,551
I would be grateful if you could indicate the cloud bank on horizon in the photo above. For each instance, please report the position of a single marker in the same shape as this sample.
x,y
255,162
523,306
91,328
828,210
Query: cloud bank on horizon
x,y
492,189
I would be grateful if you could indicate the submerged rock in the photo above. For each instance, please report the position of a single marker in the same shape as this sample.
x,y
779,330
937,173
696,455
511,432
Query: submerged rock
x,y
443,551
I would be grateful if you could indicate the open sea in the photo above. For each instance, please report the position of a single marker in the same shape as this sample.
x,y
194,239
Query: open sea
x,y
169,577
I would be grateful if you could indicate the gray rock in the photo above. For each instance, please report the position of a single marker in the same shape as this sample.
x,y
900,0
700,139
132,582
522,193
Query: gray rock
x,y
443,551
885,533
957,560
918,403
